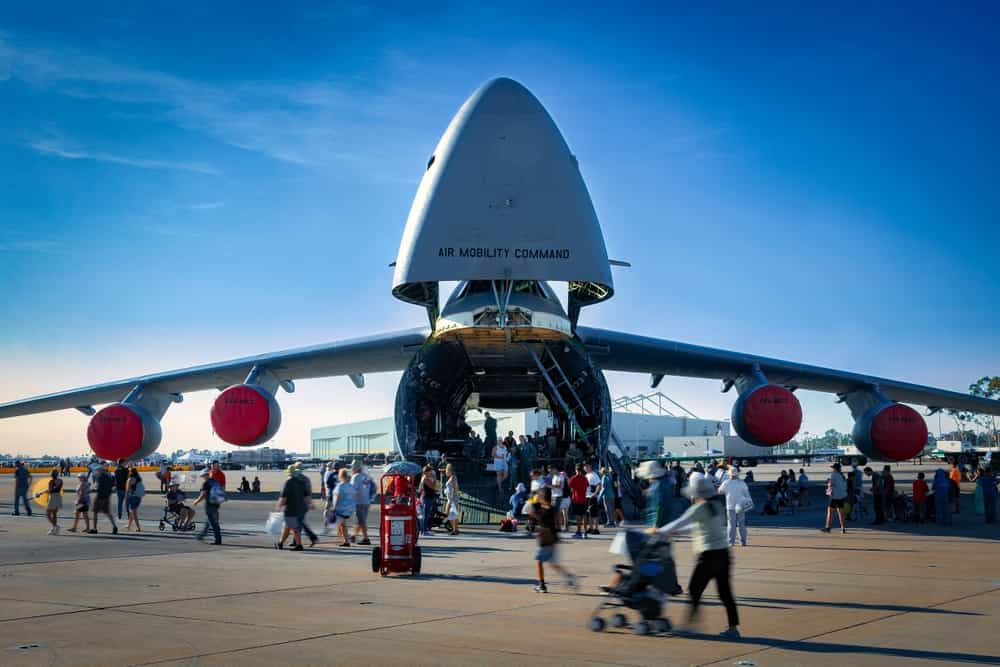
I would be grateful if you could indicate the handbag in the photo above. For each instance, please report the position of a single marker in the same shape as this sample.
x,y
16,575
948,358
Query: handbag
x,y
275,522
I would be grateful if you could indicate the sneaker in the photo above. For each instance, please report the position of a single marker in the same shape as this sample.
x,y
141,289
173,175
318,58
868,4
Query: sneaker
x,y
52,531
15,514
71,530
730,633
844,530
312,542
345,544
114,530
825,530
92,531
279,545
55,530
596,532
365,541
297,547
541,588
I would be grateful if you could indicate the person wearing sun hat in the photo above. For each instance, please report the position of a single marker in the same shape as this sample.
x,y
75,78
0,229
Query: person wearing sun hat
x,y
706,517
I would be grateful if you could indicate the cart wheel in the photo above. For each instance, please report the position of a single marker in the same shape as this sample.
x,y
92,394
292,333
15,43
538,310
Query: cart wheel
x,y
619,621
376,559
662,625
416,560
596,624
162,527
642,628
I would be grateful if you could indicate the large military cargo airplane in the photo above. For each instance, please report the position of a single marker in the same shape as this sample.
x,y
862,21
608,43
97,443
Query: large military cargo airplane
x,y
503,210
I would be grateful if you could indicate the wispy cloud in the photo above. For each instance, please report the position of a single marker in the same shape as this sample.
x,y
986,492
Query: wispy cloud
x,y
204,206
52,148
299,122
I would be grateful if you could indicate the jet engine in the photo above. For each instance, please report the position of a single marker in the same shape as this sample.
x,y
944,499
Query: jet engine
x,y
890,432
246,415
124,431
765,414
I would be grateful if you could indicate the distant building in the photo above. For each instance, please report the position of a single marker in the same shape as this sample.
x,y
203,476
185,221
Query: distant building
x,y
373,436
257,455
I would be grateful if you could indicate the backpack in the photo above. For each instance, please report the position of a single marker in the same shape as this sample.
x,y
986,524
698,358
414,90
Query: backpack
x,y
139,490
216,494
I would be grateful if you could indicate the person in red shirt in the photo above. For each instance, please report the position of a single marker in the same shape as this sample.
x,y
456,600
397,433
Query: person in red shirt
x,y
578,485
920,498
217,474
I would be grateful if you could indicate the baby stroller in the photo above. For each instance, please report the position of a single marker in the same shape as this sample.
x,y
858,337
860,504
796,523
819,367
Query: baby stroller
x,y
644,584
172,518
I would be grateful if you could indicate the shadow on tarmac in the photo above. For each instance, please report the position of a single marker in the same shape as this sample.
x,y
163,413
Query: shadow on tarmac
x,y
902,609
809,646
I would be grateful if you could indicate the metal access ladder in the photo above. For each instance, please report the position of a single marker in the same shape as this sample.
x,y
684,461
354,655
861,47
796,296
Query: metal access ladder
x,y
555,377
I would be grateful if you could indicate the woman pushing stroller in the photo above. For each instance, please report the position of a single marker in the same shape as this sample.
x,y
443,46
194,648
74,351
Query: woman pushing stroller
x,y
707,519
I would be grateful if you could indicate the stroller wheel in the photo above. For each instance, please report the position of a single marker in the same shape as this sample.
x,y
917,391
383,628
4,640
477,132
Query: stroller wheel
x,y
619,621
642,628
662,625
596,624
162,527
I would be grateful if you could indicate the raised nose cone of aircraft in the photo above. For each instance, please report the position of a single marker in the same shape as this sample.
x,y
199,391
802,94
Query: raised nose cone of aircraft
x,y
502,198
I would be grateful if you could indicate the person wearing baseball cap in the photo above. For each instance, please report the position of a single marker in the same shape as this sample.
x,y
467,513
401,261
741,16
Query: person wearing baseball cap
x,y
211,507
706,517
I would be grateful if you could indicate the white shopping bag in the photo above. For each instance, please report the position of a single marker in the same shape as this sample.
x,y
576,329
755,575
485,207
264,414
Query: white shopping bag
x,y
618,544
275,522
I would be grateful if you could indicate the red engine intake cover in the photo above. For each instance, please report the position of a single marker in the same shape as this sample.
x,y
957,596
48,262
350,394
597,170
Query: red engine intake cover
x,y
898,432
768,415
115,432
245,415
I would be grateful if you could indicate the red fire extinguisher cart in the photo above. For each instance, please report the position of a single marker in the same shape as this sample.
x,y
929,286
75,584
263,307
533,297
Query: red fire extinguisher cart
x,y
397,550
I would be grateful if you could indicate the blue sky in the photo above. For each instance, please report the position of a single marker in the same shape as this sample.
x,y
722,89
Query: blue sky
x,y
183,185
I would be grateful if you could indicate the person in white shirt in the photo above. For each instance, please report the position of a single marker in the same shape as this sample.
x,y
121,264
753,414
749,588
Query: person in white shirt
x,y
363,486
738,503
594,492
836,489
500,456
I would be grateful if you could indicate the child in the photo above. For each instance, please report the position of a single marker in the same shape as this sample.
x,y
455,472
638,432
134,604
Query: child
x,y
920,491
545,514
82,503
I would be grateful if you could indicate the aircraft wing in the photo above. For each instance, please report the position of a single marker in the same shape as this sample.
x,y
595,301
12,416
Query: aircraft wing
x,y
616,351
373,354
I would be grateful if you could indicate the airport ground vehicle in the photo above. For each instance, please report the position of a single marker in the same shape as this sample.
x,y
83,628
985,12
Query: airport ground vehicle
x,y
397,550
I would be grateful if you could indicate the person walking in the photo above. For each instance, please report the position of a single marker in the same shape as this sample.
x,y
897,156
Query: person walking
x,y
212,494
942,501
54,502
22,482
545,515
920,490
293,503
216,474
500,456
578,500
134,492
343,502
706,519
364,489
738,503
878,496
105,486
121,484
428,497
836,489
82,507
303,526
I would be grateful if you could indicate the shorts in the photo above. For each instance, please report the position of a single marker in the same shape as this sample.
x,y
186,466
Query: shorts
x,y
293,522
837,503
499,465
579,509
102,505
545,554
82,507
133,503
564,505
55,503
595,508
362,512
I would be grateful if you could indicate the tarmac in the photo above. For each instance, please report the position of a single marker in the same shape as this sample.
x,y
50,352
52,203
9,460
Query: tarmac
x,y
897,595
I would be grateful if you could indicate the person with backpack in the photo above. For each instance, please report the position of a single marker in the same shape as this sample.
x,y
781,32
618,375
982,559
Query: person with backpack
x,y
135,490
213,495
707,519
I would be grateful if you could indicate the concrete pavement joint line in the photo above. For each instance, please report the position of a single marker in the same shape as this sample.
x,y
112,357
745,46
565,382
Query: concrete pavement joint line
x,y
200,620
77,560
847,627
326,635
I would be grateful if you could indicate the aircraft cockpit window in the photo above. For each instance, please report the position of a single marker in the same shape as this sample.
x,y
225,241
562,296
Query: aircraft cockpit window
x,y
430,162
